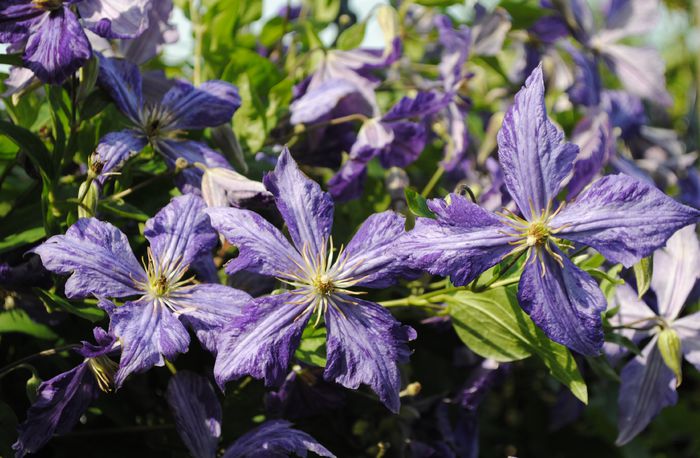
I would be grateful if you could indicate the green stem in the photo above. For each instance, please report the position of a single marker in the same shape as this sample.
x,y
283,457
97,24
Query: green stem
x,y
21,362
433,181
503,271
198,30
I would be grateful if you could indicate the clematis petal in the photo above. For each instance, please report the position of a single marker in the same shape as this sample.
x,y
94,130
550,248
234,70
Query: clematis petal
x,y
189,180
262,341
115,148
456,44
207,308
159,32
409,140
211,104
307,210
275,439
678,268
60,403
533,152
180,233
422,105
222,187
631,17
624,218
321,101
631,309
99,258
122,81
364,345
463,241
58,47
148,331
197,413
17,18
370,255
688,329
456,148
261,247
647,386
594,136
564,301
115,18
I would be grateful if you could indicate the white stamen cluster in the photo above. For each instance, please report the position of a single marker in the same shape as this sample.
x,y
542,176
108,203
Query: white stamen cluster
x,y
163,281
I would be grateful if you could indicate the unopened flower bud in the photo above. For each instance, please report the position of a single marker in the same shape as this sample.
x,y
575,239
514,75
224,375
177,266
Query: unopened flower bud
x,y
669,345
89,196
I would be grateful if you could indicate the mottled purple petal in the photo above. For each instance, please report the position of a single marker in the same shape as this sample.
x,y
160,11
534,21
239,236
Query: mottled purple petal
x,y
197,413
456,148
549,29
348,183
647,386
189,180
99,258
464,240
115,148
60,403
489,31
408,143
565,302
532,151
275,439
114,18
594,137
315,104
58,47
688,329
307,210
422,105
180,233
122,80
364,345
159,32
262,341
17,18
148,331
457,44
262,247
209,105
625,219
587,85
105,344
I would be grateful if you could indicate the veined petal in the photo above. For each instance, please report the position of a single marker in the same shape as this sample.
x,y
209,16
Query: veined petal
x,y
116,148
261,247
370,255
159,32
464,240
60,403
222,187
189,180
631,309
17,17
364,345
688,329
624,218
148,331
533,152
197,413
262,341
180,233
115,18
307,210
122,81
677,268
456,148
209,105
320,101
275,438
456,44
58,47
408,143
422,105
564,301
99,258
647,386
207,308
594,136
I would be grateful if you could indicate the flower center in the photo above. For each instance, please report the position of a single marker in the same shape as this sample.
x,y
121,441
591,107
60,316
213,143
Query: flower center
x,y
104,370
323,284
537,233
163,279
48,5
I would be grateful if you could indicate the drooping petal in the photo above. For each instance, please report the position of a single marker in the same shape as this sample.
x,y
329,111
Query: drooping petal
x,y
115,148
115,18
632,311
594,136
677,268
422,105
261,247
17,17
58,47
365,344
197,413
489,30
180,233
647,386
209,105
148,332
456,44
159,32
275,439
207,308
189,180
320,102
407,145
60,403
224,187
462,242
587,85
307,210
262,341
105,344
564,301
122,81
99,258
630,17
456,148
688,329
17,81
624,218
533,152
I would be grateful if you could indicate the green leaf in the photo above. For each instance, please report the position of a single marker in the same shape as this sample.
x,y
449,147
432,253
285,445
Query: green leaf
x,y
417,204
669,345
351,37
17,320
642,274
493,325
324,10
619,339
12,59
22,238
32,146
312,349
53,301
123,209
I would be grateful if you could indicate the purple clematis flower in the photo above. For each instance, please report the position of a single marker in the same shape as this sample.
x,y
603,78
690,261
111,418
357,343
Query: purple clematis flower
x,y
612,215
62,400
647,384
55,44
158,122
151,327
364,342
198,416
